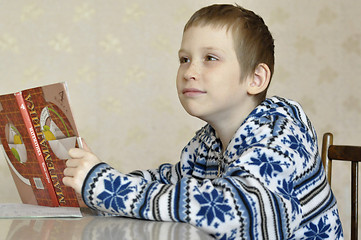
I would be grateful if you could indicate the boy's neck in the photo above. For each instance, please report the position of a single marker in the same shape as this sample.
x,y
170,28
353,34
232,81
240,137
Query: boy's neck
x,y
227,127
226,134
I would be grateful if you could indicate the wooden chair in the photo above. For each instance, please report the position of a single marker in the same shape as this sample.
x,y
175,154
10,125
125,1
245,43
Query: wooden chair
x,y
344,153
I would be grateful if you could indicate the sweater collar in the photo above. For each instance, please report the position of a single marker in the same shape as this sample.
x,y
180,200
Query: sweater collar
x,y
208,136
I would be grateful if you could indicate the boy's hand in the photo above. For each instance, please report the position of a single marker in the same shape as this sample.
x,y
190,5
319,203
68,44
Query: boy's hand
x,y
82,160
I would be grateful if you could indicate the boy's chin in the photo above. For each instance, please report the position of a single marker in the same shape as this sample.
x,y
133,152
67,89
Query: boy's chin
x,y
197,115
193,113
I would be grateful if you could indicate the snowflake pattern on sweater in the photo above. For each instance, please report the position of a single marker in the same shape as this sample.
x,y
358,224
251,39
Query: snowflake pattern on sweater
x,y
268,184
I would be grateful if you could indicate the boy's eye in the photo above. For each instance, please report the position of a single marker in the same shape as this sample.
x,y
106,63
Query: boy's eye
x,y
183,59
211,58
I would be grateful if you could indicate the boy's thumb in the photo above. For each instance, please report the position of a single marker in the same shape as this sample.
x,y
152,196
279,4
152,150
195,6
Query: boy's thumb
x,y
85,146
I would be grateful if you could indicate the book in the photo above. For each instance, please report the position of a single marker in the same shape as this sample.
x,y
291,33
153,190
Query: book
x,y
37,129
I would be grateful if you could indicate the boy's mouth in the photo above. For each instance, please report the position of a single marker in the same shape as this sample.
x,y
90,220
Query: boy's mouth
x,y
192,92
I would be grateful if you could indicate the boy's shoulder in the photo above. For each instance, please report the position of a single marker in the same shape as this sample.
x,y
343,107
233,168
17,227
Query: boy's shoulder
x,y
278,103
279,107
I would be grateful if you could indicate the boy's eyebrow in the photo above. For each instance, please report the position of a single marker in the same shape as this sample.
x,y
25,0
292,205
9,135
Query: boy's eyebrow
x,y
204,48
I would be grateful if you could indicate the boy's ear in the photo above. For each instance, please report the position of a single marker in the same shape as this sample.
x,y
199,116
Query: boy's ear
x,y
259,80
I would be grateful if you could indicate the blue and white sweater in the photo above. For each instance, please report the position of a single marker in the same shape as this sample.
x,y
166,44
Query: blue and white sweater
x,y
268,184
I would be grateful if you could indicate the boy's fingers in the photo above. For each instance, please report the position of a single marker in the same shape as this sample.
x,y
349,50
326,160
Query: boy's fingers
x,y
69,172
73,182
72,163
77,153
68,181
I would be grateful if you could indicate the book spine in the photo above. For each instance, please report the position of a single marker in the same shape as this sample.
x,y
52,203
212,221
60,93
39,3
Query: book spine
x,y
34,140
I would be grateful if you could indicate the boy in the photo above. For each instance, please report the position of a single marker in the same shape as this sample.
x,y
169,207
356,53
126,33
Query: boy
x,y
253,172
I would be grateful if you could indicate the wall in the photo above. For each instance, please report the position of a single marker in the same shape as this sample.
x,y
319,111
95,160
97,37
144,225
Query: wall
x,y
119,59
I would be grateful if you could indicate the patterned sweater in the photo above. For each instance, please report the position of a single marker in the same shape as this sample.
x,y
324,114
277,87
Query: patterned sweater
x,y
268,184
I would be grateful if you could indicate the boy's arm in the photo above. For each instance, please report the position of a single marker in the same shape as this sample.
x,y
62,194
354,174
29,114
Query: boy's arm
x,y
83,160
222,206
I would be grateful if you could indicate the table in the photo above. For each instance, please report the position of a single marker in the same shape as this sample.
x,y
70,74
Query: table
x,y
96,227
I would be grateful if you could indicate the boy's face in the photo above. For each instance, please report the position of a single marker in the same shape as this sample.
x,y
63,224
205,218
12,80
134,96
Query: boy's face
x,y
209,76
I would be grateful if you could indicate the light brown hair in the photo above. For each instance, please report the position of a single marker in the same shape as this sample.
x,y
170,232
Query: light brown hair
x,y
253,42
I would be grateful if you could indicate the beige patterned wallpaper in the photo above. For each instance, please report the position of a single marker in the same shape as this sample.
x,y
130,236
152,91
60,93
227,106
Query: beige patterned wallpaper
x,y
120,61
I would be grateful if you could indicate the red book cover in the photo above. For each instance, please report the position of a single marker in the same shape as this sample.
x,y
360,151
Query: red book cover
x,y
20,155
54,127
35,143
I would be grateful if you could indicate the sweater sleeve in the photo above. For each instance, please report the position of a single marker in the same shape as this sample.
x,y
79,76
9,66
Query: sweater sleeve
x,y
220,207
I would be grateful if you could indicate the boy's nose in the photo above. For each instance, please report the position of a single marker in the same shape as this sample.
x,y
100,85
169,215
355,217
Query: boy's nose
x,y
192,72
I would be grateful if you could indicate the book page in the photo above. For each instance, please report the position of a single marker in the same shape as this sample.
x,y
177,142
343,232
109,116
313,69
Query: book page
x,y
18,210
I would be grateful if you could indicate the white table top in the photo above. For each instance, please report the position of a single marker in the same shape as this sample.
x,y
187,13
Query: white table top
x,y
96,227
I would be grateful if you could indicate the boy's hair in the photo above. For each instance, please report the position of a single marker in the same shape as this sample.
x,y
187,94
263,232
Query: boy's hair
x,y
253,42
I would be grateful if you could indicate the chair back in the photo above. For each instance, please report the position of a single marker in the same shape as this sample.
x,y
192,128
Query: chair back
x,y
343,153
